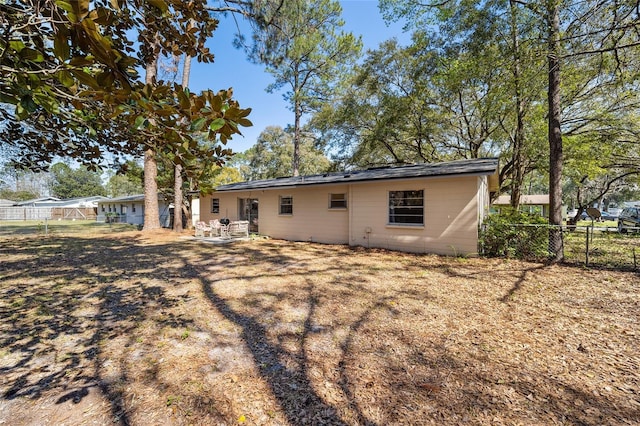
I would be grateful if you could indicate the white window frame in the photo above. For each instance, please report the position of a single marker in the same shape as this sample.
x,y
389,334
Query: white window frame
x,y
288,206
215,205
342,201
406,208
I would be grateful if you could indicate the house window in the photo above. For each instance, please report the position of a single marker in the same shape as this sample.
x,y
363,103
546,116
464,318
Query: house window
x,y
337,201
133,208
406,207
286,205
215,205
102,207
123,209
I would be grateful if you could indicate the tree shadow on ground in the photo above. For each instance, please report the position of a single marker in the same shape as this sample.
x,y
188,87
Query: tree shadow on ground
x,y
60,306
290,386
72,300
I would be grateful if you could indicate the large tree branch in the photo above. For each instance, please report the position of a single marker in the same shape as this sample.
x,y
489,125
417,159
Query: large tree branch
x,y
603,50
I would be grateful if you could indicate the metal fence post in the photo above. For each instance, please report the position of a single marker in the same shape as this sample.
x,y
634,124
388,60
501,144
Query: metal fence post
x,y
586,253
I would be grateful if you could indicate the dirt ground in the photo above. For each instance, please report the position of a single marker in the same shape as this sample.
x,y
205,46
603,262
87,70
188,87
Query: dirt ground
x,y
137,329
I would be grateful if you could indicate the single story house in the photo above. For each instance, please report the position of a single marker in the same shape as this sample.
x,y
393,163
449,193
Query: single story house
x,y
130,209
38,202
422,208
534,204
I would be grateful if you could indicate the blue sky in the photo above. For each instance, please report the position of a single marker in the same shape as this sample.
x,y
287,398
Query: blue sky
x,y
249,81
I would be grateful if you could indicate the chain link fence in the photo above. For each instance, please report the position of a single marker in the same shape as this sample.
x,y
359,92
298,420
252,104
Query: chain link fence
x,y
582,245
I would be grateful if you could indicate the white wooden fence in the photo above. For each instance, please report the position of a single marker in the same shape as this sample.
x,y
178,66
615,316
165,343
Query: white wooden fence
x,y
25,213
42,213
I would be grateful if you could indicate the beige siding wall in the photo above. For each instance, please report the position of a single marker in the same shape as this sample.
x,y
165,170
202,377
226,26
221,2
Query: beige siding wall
x,y
452,209
228,206
484,200
450,223
312,219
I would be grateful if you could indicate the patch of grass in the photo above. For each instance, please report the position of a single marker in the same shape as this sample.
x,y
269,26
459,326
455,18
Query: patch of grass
x,y
172,400
606,249
86,227
603,224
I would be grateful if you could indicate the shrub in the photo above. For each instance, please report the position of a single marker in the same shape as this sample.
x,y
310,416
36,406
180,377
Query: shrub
x,y
515,234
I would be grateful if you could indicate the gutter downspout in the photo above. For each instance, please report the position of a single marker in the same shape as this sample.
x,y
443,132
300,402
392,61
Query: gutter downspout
x,y
350,207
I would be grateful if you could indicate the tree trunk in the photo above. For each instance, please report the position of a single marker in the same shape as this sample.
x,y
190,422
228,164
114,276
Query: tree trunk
x,y
188,204
517,175
177,198
151,210
177,169
555,135
296,143
297,112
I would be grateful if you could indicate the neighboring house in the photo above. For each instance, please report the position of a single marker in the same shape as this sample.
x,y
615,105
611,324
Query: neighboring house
x,y
130,209
80,202
37,202
6,203
424,208
535,204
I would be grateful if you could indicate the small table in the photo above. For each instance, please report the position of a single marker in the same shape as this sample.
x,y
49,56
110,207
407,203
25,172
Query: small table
x,y
224,231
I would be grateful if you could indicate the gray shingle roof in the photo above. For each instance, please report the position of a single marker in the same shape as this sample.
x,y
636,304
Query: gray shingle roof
x,y
130,198
476,166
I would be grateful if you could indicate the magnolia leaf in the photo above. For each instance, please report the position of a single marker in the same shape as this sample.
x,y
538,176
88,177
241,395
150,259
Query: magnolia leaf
x,y
8,99
147,91
46,101
159,4
16,45
66,79
139,122
102,16
81,8
105,79
244,122
85,78
244,112
31,55
28,104
216,103
61,46
21,112
198,124
185,105
64,5
80,61
217,124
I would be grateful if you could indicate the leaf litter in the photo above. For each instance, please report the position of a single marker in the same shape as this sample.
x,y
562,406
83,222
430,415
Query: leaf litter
x,y
135,328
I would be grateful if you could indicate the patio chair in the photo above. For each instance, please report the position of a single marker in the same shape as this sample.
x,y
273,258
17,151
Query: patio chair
x,y
239,228
201,229
215,228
